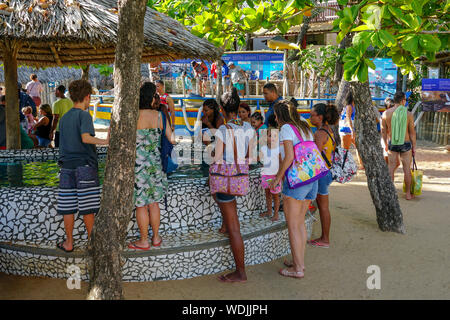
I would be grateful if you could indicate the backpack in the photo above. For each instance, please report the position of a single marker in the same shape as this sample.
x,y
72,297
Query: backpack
x,y
229,178
343,167
168,165
308,165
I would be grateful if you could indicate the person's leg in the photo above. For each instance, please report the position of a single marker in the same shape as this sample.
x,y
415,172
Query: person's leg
x,y
293,210
406,158
56,139
230,217
142,218
155,220
392,158
276,203
69,221
346,141
268,212
89,223
325,218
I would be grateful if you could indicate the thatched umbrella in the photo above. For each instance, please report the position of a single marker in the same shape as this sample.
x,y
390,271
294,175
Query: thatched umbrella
x,y
44,33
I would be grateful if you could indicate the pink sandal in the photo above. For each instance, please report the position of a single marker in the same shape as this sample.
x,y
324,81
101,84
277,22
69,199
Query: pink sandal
x,y
319,244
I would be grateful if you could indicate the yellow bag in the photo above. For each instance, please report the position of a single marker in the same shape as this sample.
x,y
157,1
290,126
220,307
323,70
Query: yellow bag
x,y
416,180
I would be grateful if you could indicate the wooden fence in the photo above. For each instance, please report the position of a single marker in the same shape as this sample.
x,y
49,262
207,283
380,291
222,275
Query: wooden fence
x,y
435,127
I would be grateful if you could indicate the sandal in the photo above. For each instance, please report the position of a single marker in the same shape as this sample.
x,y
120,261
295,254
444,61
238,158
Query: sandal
x,y
292,274
157,244
319,244
61,246
133,246
223,278
290,264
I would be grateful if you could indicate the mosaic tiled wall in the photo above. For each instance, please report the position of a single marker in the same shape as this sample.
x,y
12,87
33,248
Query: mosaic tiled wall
x,y
29,214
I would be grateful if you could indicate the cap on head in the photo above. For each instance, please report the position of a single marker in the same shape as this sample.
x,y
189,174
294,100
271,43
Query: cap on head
x,y
231,63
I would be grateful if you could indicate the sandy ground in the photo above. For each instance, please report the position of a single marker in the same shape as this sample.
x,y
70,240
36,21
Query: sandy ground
x,y
413,266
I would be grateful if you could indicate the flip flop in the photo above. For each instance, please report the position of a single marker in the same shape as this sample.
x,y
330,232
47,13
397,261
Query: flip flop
x,y
135,247
318,244
292,274
223,278
61,246
158,244
290,264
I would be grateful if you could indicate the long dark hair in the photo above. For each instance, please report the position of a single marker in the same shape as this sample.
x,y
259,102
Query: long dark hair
x,y
329,113
146,95
212,104
230,101
287,114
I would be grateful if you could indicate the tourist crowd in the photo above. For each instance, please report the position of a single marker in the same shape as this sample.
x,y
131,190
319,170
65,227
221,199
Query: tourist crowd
x,y
295,162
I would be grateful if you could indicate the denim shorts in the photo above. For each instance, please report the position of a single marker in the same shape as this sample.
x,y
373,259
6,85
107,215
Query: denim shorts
x,y
324,183
223,198
306,192
43,142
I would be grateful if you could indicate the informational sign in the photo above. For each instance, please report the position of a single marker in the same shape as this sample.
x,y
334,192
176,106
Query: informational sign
x,y
383,80
258,65
436,95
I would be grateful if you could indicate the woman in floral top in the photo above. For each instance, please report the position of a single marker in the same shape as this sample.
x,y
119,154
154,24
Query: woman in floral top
x,y
150,184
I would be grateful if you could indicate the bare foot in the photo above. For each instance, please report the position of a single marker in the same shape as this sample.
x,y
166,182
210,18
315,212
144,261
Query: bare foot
x,y
265,214
409,196
275,217
233,277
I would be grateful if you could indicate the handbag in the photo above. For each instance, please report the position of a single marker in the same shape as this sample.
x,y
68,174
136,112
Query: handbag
x,y
168,165
229,178
308,165
342,166
416,180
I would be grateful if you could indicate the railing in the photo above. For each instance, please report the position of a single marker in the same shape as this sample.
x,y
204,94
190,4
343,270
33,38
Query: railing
x,y
327,14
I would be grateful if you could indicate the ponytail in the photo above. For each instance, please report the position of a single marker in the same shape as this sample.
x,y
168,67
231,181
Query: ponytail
x,y
230,101
329,113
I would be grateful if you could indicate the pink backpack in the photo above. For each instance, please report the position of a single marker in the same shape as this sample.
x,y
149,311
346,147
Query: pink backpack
x,y
308,165
229,178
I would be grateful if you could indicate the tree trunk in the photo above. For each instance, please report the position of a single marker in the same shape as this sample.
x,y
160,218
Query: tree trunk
x,y
85,72
10,50
382,189
110,228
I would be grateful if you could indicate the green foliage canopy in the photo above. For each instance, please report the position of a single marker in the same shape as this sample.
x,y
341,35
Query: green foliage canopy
x,y
406,29
224,21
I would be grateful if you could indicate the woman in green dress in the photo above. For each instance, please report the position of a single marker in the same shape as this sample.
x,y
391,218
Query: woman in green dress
x,y
150,184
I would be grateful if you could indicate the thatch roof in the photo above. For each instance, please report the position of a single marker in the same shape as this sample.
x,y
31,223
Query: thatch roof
x,y
71,32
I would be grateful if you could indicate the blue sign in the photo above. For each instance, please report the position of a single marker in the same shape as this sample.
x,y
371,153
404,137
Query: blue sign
x,y
257,65
384,76
435,84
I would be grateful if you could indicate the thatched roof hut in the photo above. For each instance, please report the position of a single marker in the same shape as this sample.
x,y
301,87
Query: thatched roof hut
x,y
79,32
71,32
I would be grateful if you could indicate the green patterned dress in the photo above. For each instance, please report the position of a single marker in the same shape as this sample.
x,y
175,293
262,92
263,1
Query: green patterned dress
x,y
150,181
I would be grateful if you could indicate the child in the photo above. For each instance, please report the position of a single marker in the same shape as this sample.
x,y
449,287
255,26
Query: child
x,y
79,188
244,112
271,161
257,122
187,82
28,113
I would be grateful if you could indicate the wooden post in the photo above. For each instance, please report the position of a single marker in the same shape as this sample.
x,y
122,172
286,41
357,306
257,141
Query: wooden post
x,y
447,129
10,49
285,70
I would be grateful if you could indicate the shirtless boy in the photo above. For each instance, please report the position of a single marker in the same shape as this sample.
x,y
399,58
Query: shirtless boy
x,y
399,135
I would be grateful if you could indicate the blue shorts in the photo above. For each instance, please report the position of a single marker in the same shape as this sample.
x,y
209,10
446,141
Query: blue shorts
x,y
43,142
306,192
223,198
324,183
79,191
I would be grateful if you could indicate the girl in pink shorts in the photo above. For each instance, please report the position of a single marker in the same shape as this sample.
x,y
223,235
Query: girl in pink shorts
x,y
270,155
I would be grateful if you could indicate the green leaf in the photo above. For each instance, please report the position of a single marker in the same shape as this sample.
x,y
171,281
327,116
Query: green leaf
x,y
387,38
411,43
429,42
342,2
283,27
362,27
370,64
417,5
249,11
363,73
